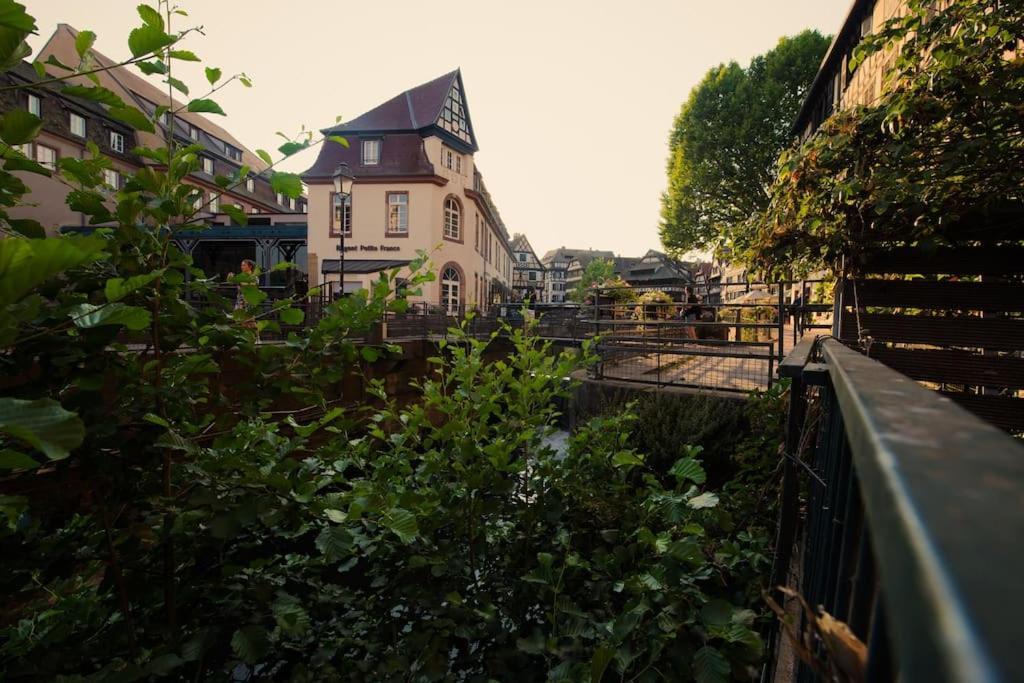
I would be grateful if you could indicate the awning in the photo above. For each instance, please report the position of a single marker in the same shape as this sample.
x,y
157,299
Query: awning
x,y
360,266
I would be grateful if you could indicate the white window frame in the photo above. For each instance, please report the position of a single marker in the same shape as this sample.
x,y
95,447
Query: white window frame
x,y
50,164
398,213
214,204
253,209
112,178
281,199
451,290
208,165
370,152
452,219
341,217
35,105
250,185
116,141
193,132
74,119
291,203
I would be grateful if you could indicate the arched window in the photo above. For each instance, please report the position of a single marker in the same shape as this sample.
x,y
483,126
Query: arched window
x,y
450,290
452,219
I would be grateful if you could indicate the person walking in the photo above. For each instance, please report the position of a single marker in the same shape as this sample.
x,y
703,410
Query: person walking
x,y
248,267
692,311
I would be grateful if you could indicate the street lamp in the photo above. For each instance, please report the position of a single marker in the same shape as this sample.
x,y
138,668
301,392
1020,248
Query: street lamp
x,y
343,180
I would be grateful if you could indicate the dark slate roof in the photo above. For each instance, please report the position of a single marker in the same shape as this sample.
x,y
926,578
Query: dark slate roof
x,y
361,265
570,253
664,269
413,109
402,154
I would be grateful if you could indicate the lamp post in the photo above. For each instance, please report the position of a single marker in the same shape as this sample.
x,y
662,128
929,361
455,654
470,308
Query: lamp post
x,y
343,180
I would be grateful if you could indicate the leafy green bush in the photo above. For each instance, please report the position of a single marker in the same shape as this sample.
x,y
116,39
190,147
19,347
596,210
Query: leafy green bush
x,y
160,520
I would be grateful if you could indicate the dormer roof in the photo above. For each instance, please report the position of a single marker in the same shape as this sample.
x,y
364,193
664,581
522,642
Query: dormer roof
x,y
437,106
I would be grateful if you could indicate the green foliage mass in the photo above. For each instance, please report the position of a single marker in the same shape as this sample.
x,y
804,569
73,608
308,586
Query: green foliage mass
x,y
943,144
726,140
182,502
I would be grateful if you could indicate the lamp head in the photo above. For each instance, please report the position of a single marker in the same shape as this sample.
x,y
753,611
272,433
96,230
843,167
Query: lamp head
x,y
343,179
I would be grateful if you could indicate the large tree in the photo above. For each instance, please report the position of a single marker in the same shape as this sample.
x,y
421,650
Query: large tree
x,y
727,138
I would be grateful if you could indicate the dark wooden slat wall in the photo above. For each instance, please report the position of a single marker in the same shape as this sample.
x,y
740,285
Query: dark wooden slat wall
x,y
1003,334
953,367
936,295
985,260
960,333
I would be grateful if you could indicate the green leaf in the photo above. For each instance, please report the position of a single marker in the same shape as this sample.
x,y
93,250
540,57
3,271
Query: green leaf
x,y
626,459
262,154
402,523
26,263
178,85
339,139
336,516
205,106
19,126
716,613
26,226
42,424
369,354
84,42
40,69
87,316
183,55
151,16
157,66
290,148
164,664
688,469
288,184
704,500
14,16
13,460
133,117
94,93
250,644
118,288
147,39
253,295
212,74
599,663
334,542
235,213
291,618
710,666
292,316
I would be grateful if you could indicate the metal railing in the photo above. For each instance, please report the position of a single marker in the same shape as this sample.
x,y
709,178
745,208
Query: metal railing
x,y
913,528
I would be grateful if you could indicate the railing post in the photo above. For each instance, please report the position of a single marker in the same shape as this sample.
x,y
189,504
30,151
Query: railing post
x,y
782,321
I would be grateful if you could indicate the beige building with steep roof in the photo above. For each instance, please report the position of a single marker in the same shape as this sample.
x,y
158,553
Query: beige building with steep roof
x,y
416,188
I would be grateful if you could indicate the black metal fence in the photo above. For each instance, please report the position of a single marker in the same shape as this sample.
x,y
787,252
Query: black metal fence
x,y
911,536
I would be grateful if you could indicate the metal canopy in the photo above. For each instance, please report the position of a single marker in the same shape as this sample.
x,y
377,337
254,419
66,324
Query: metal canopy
x,y
361,266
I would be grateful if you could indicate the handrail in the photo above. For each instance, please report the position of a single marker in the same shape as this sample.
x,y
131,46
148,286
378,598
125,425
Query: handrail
x,y
793,364
944,495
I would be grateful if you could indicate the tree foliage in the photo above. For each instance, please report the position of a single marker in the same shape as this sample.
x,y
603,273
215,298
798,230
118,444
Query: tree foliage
x,y
944,142
726,140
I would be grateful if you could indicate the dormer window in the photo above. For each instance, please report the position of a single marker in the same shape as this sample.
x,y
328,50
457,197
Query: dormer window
x,y
281,199
35,105
116,141
250,185
78,125
193,132
371,152
208,165
232,152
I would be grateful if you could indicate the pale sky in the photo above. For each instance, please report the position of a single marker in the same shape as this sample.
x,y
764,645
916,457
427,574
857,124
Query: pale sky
x,y
571,100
